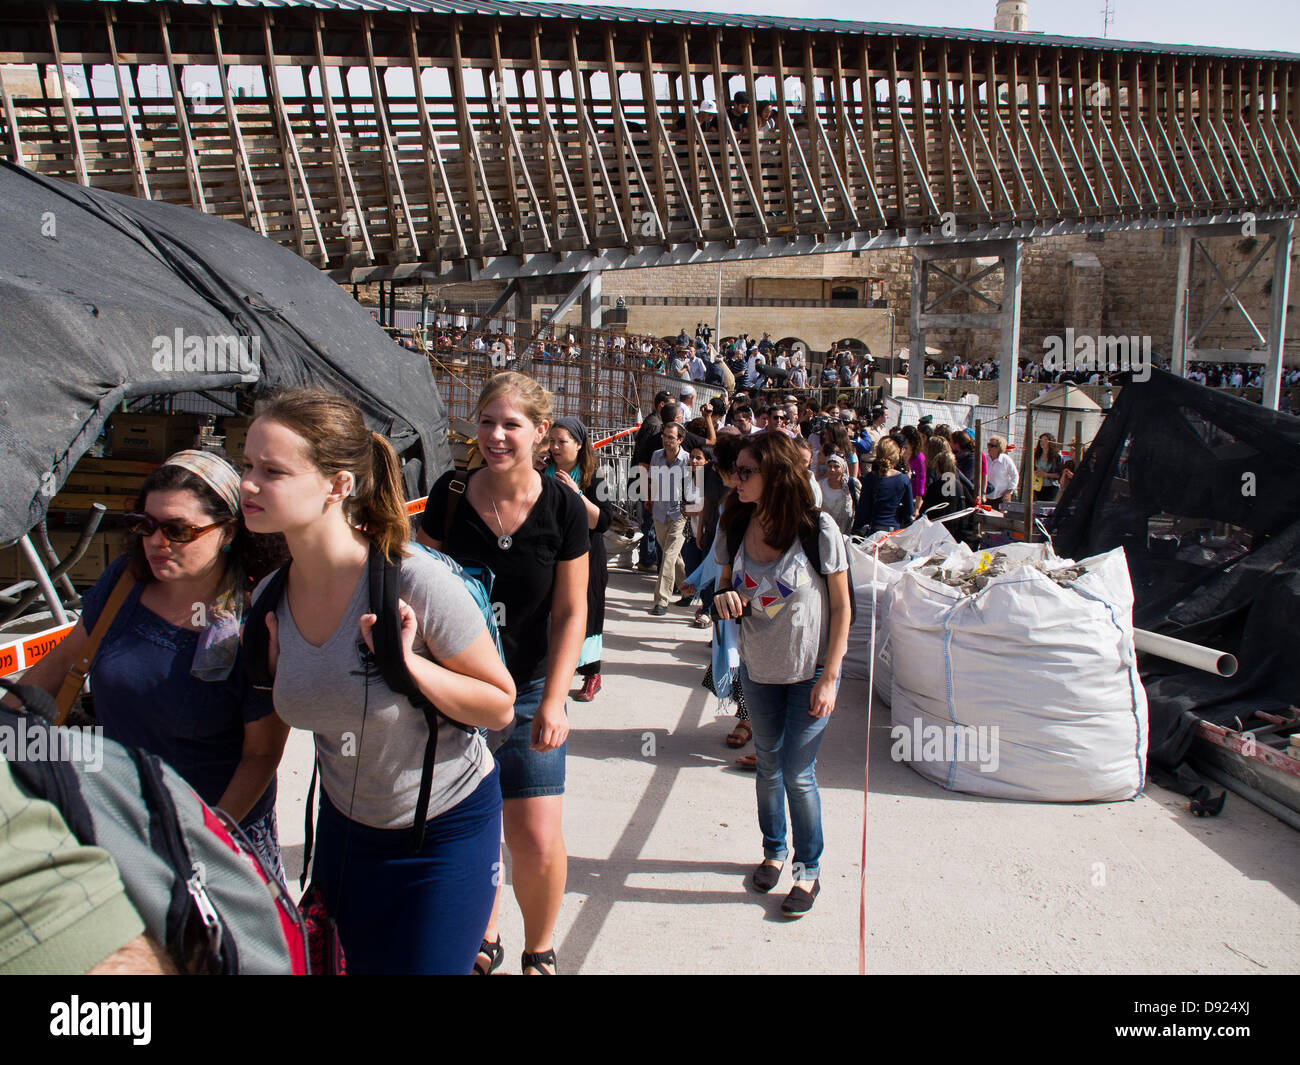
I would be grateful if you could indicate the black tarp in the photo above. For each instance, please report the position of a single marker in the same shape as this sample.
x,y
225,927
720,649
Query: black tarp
x,y
1202,490
89,280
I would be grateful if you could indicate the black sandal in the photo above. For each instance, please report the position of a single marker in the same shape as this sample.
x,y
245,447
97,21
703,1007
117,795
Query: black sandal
x,y
495,955
539,959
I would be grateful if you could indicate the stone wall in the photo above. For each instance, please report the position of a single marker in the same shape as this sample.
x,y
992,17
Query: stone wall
x,y
1135,289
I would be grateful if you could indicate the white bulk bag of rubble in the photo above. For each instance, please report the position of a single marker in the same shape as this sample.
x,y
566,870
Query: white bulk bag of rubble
x,y
867,571
1024,689
922,539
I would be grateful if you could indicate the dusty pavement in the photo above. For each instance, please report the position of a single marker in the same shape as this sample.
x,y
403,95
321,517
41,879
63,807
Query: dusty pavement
x,y
661,832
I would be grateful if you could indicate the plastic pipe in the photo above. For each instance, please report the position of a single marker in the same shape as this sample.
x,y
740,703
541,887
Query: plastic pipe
x,y
1189,654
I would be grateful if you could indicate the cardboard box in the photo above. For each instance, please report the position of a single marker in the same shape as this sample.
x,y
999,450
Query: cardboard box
x,y
91,566
151,437
13,567
236,430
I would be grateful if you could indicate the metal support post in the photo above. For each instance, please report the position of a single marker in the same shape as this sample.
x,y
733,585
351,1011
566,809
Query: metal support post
x,y
1283,235
916,364
1008,359
1178,357
591,309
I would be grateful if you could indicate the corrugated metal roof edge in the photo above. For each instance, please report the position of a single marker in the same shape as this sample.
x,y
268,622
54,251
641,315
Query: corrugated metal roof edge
x,y
602,13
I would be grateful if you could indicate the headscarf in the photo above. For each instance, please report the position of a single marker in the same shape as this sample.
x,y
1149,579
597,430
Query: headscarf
x,y
573,426
219,639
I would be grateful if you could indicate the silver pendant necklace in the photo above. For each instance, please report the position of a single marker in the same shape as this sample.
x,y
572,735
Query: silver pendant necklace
x,y
503,541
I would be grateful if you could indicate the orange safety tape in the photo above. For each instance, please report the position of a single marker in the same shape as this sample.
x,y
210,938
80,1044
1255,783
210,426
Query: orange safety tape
x,y
26,652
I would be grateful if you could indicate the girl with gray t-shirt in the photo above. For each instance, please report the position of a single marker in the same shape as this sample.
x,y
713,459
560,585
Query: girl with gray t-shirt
x,y
793,634
313,472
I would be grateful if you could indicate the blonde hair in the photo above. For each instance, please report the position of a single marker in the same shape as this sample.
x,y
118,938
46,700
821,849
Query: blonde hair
x,y
533,399
337,440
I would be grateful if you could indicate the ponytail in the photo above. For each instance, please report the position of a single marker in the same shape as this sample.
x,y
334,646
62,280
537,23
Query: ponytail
x,y
337,440
382,514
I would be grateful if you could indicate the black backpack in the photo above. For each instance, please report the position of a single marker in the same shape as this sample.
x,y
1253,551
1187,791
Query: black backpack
x,y
810,541
385,580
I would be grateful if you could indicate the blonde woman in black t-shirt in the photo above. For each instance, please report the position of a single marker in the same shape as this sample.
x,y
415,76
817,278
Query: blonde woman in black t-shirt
x,y
532,534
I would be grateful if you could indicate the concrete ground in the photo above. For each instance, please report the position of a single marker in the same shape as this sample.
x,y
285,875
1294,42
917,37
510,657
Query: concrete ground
x,y
662,832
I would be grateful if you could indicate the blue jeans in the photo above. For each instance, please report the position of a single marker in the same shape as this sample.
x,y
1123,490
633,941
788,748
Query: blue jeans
x,y
786,741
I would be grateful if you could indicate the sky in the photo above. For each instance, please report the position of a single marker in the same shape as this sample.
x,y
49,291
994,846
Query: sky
x,y
1261,25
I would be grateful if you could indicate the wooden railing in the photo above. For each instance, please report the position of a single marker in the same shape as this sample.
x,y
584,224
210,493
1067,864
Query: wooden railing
x,y
552,134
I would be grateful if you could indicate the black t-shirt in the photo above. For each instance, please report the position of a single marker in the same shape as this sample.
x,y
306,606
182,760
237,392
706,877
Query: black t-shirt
x,y
554,531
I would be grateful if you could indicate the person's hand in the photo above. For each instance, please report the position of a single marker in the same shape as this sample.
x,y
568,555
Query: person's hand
x,y
273,643
728,604
564,479
822,703
408,628
550,728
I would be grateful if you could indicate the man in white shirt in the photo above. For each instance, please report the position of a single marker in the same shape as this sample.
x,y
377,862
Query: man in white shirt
x,y
687,403
697,368
1004,477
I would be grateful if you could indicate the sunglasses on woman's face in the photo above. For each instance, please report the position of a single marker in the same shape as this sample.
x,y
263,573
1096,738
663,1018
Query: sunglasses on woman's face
x,y
744,473
177,532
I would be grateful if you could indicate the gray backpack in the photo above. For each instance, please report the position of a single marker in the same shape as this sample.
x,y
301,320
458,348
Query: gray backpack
x,y
199,887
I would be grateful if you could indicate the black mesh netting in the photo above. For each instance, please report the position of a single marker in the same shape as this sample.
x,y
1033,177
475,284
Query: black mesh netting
x,y
1202,491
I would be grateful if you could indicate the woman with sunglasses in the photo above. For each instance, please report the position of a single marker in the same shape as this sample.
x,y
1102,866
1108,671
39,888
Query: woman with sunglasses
x,y
168,676
793,634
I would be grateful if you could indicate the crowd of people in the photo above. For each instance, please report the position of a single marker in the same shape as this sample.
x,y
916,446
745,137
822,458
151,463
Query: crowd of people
x,y
747,506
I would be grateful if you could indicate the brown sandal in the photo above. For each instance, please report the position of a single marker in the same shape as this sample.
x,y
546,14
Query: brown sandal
x,y
747,761
740,735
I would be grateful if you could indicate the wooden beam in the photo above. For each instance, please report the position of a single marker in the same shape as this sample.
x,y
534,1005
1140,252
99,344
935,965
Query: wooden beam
x,y
610,198
900,179
647,192
139,176
654,128
510,148
338,155
289,150
432,150
197,199
380,98
587,143
755,196
786,174
724,115
871,178
870,131
468,149
811,114
544,124
755,134
971,176
728,219
919,123
694,131
69,113
946,134
244,172
803,165
11,121
622,144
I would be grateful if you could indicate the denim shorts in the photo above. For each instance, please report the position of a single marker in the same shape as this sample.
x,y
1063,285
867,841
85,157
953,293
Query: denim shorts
x,y
525,773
